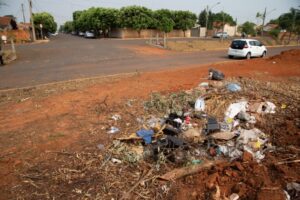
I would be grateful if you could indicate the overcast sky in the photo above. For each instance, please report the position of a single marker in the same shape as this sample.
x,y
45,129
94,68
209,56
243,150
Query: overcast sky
x,y
243,10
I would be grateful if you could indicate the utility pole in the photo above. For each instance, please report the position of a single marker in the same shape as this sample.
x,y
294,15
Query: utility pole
x,y
23,13
223,21
206,21
263,24
31,20
235,26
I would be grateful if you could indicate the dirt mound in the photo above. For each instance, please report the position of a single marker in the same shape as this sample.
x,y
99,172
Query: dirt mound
x,y
293,54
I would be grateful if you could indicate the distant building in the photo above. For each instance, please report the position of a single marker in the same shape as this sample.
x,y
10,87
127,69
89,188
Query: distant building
x,y
269,27
8,23
230,30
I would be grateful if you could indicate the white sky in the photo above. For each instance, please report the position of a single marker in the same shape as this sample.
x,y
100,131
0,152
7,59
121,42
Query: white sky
x,y
243,10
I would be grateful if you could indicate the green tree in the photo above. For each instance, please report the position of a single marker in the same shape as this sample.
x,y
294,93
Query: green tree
x,y
290,21
202,18
47,20
248,28
163,20
76,16
222,16
136,17
184,20
210,19
68,27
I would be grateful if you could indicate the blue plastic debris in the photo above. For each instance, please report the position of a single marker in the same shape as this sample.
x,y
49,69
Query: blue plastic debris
x,y
146,135
233,87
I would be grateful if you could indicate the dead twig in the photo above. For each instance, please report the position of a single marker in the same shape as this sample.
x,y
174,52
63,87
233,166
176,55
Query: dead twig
x,y
126,195
287,162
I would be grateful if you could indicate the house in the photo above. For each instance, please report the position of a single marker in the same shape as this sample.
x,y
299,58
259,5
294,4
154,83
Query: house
x,y
8,23
198,31
230,30
269,27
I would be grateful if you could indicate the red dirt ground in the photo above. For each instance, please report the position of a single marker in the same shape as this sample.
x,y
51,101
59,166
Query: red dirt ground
x,y
29,128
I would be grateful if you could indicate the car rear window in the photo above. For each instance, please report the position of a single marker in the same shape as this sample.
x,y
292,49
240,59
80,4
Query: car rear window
x,y
238,44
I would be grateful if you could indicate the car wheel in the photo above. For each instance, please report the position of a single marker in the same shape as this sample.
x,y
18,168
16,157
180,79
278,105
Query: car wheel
x,y
248,56
264,54
230,56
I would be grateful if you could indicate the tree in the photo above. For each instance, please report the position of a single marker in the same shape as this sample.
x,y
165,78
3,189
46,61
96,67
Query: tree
x,y
222,16
248,28
290,21
202,18
136,17
163,20
68,27
76,16
184,20
47,20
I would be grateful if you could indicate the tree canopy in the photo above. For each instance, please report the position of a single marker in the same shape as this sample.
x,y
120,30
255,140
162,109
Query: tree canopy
x,y
214,17
248,28
67,27
135,17
47,20
184,20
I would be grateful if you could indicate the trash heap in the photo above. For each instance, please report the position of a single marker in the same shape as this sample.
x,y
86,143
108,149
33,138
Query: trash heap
x,y
215,120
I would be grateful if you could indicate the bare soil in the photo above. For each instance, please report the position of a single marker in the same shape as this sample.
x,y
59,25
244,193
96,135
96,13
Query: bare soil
x,y
48,139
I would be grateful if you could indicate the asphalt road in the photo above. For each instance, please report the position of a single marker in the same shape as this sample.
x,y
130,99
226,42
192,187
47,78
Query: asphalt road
x,y
68,57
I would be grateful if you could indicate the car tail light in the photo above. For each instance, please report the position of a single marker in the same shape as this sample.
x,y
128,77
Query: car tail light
x,y
245,46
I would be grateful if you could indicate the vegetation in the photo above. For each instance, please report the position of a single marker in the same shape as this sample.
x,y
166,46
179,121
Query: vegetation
x,y
288,21
274,33
67,27
214,17
248,28
135,17
47,20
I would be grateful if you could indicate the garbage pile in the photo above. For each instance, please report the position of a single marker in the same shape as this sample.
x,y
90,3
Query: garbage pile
x,y
189,127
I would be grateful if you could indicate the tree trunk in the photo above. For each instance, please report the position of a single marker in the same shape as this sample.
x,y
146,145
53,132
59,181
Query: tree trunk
x,y
290,37
165,40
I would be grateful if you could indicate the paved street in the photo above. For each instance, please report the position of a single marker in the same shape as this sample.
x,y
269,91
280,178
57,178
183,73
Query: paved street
x,y
68,57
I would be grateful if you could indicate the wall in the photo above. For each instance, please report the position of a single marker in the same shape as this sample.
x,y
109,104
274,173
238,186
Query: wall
x,y
198,32
231,30
146,33
18,35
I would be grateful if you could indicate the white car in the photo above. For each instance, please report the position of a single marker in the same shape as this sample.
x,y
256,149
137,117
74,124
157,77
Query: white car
x,y
247,48
221,35
89,34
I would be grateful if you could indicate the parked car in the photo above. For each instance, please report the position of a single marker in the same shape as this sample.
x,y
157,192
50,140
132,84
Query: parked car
x,y
247,48
220,35
89,34
74,33
80,33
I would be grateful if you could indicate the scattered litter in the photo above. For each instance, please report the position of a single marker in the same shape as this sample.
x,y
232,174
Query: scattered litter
x,y
223,135
100,146
113,130
116,117
116,161
233,87
215,75
196,162
211,126
204,84
193,135
236,108
146,135
283,106
267,107
200,104
234,196
244,116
